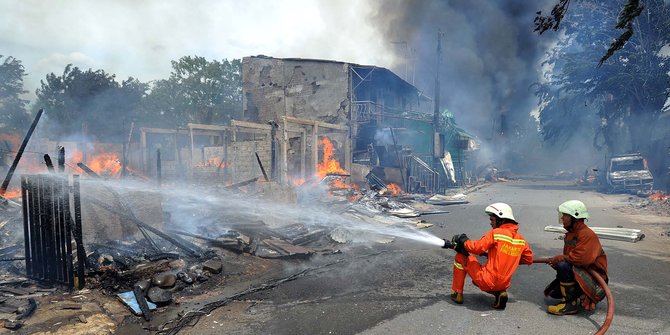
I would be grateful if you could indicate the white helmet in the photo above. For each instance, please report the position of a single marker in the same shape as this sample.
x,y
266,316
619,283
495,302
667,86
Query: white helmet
x,y
501,210
574,208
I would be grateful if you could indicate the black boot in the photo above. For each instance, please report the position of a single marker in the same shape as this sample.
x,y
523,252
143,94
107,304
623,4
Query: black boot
x,y
500,301
553,290
569,304
456,297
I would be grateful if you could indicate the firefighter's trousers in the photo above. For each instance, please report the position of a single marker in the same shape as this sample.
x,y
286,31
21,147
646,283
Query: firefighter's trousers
x,y
482,278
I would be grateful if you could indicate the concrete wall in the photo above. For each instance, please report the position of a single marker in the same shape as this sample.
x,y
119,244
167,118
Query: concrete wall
x,y
306,89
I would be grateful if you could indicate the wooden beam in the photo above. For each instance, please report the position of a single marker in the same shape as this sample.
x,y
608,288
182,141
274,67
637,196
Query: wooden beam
x,y
303,152
190,133
198,132
49,163
88,170
206,127
17,158
315,147
312,122
260,164
251,131
163,131
347,154
283,154
244,124
61,159
143,150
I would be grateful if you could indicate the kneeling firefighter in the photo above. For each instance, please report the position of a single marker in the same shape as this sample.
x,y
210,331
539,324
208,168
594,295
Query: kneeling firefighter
x,y
582,251
506,249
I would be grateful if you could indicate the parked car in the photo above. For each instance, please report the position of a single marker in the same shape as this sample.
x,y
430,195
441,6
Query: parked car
x,y
629,173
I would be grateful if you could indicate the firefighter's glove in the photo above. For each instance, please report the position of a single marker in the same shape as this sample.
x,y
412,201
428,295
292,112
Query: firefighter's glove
x,y
459,243
556,259
587,303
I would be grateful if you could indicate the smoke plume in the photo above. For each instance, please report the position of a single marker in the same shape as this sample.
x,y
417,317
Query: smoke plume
x,y
490,57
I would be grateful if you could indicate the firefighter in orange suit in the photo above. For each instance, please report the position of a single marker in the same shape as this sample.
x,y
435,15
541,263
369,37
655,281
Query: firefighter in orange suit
x,y
581,251
506,249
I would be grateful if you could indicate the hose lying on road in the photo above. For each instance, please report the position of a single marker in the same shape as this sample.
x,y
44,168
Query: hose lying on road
x,y
610,299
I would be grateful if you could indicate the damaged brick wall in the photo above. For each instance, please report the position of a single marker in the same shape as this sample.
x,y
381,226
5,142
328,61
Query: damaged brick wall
x,y
244,163
239,162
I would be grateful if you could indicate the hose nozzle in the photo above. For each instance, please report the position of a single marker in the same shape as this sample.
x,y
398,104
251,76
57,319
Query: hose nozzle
x,y
447,244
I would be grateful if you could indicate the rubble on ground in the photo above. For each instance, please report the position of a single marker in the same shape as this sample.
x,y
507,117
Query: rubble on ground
x,y
141,260
657,203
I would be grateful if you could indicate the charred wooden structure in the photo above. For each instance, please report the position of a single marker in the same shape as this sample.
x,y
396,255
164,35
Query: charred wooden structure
x,y
51,222
376,120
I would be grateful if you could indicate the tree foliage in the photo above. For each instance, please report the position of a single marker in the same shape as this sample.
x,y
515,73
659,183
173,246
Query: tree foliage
x,y
631,10
13,112
93,102
198,91
618,101
89,102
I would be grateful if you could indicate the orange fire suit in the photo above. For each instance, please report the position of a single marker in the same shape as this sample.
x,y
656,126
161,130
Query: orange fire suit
x,y
506,250
583,250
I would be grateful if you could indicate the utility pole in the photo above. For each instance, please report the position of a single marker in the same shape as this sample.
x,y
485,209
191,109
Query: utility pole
x,y
436,111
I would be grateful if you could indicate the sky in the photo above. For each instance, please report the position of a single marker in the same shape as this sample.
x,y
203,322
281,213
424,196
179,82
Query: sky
x,y
140,38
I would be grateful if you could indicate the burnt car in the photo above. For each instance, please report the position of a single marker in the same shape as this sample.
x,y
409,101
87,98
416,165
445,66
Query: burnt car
x,y
629,174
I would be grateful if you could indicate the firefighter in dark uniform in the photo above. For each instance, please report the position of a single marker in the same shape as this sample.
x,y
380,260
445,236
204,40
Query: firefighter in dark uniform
x,y
581,251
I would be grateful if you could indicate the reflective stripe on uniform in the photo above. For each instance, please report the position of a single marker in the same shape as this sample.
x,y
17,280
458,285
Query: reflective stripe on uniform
x,y
506,238
458,265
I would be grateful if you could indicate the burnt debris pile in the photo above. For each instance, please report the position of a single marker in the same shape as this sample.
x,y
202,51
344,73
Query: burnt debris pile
x,y
148,247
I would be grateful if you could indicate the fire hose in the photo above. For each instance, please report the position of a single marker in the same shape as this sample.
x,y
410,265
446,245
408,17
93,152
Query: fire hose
x,y
608,294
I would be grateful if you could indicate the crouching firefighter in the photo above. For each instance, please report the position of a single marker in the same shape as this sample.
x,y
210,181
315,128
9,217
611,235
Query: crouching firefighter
x,y
505,249
581,251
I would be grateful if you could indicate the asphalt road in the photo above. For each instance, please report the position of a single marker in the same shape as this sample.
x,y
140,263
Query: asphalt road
x,y
402,287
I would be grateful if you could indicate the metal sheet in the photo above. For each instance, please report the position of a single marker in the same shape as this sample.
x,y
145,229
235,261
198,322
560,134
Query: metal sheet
x,y
128,299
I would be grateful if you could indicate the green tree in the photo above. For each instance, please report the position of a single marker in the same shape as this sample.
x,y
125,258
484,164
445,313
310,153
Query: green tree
x,y
90,102
618,101
161,107
198,91
627,14
13,113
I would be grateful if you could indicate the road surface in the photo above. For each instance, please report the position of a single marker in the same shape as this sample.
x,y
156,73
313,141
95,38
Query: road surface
x,y
403,287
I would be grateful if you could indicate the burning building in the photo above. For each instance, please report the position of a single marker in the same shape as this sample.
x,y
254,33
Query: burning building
x,y
303,119
376,121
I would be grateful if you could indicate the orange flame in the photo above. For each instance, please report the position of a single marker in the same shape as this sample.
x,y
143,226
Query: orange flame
x,y
215,161
659,196
77,157
12,139
9,144
106,164
340,184
298,182
328,164
394,188
13,193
